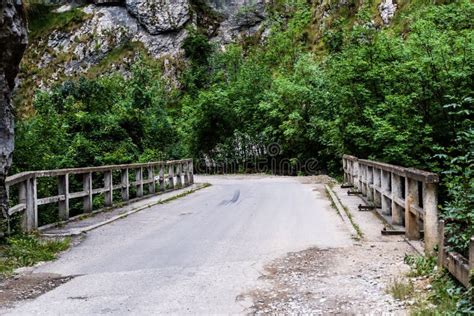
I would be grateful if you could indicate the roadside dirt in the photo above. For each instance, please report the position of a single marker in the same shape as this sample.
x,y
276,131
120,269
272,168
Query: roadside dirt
x,y
28,286
332,281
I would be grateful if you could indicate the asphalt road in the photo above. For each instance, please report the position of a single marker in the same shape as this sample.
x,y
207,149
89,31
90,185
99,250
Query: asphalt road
x,y
195,254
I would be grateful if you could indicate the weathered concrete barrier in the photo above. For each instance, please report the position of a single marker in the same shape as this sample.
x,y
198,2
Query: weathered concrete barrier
x,y
460,267
153,176
407,195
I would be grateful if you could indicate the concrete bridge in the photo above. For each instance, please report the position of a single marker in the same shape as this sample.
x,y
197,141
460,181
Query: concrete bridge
x,y
244,244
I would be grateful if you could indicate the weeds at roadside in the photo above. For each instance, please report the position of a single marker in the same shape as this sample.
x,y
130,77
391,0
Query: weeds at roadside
x,y
401,289
434,291
445,296
357,228
420,266
27,250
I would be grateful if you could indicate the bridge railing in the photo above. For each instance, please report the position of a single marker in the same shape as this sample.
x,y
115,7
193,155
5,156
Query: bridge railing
x,y
143,179
407,196
460,267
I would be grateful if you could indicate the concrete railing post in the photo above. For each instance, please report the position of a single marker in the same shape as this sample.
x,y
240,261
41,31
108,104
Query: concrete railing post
x,y
430,221
353,173
441,243
186,173
63,189
109,186
31,205
87,186
385,202
471,261
370,184
364,180
151,177
471,253
191,172
125,185
411,223
397,211
357,175
28,196
377,184
348,171
345,170
22,192
171,176
139,181
162,178
179,181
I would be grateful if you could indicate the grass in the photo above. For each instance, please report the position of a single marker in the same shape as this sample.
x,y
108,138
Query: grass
x,y
27,250
433,291
356,226
445,297
42,20
401,289
420,266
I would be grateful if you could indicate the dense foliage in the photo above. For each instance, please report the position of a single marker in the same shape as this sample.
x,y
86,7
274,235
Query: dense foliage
x,y
400,94
95,122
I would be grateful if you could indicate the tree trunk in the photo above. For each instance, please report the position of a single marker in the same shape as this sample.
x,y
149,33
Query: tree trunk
x,y
13,40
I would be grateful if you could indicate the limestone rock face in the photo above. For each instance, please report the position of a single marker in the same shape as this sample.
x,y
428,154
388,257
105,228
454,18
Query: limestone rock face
x,y
160,16
13,40
241,17
158,26
107,29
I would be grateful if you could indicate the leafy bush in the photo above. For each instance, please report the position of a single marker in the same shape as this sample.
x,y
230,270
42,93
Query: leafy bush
x,y
420,265
97,122
458,180
446,297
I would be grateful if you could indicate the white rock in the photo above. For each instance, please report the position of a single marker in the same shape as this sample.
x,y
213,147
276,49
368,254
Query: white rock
x,y
387,10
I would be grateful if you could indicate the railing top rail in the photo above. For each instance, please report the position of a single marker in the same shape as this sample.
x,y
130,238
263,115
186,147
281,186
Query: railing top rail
x,y
349,157
412,173
421,175
17,178
385,166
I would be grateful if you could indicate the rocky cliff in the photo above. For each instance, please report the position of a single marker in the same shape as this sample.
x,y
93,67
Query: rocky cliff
x,y
13,39
92,38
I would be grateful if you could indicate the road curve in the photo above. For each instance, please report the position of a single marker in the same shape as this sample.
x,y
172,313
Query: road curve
x,y
193,255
